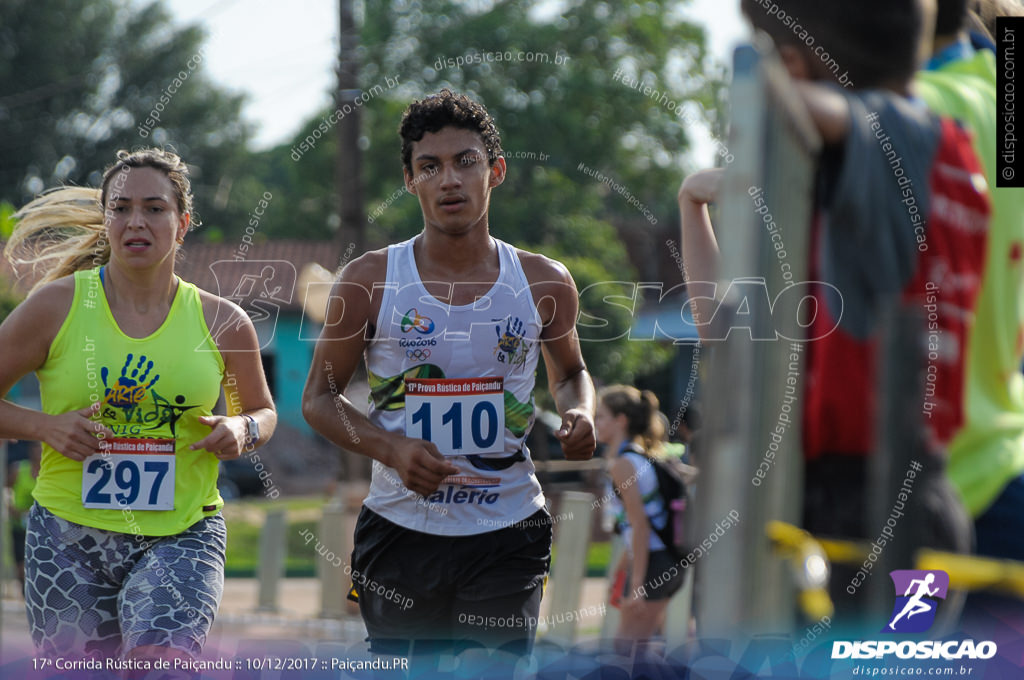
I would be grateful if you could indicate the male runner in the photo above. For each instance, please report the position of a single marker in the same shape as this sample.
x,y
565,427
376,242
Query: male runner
x,y
453,541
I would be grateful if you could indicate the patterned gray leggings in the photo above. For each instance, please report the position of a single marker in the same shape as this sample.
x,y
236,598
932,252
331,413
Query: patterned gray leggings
x,y
97,593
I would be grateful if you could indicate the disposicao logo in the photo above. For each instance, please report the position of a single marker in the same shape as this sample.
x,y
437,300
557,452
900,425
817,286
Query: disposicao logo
x,y
917,599
413,321
917,596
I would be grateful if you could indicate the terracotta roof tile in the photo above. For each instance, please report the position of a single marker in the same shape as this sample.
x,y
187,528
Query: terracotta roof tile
x,y
212,266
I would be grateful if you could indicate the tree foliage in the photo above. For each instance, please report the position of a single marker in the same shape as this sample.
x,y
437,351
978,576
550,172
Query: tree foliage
x,y
593,156
566,87
80,80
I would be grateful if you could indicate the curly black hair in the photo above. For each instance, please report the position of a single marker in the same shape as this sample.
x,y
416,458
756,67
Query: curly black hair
x,y
951,17
874,41
446,108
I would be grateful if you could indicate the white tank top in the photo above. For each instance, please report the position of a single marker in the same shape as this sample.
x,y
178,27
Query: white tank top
x,y
463,370
646,481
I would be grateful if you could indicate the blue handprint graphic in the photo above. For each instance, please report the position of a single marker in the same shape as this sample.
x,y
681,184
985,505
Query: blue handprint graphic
x,y
511,347
129,390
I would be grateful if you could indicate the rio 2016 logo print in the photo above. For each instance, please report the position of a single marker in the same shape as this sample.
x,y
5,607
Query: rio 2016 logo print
x,y
413,321
917,596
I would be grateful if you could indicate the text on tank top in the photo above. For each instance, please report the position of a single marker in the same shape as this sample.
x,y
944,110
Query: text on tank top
x,y
462,377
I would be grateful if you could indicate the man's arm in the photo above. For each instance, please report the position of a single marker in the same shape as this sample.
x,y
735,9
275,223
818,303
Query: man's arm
x,y
337,355
557,301
829,111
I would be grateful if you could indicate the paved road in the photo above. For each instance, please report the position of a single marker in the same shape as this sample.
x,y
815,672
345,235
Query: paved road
x,y
240,628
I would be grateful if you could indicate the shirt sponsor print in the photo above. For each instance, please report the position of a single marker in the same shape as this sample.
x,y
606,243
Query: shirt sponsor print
x,y
512,347
467,489
126,409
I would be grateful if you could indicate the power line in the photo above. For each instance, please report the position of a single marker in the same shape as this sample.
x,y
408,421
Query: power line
x,y
42,92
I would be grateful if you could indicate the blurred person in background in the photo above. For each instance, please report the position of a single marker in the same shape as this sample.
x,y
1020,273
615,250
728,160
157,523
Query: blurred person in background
x,y
629,427
22,470
867,246
983,15
987,453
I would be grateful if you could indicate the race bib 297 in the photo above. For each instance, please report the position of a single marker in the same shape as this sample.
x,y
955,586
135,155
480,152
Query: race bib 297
x,y
130,473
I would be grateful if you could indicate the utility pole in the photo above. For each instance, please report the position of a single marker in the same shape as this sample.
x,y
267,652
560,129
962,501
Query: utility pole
x,y
349,170
349,161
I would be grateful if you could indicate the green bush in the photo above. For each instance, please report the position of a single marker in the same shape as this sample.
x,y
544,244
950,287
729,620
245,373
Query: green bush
x,y
245,521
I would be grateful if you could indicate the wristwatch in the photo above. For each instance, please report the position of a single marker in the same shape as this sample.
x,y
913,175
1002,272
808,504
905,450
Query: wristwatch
x,y
252,432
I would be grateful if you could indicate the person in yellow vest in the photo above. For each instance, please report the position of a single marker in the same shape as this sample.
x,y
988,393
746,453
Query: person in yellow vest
x,y
987,455
125,543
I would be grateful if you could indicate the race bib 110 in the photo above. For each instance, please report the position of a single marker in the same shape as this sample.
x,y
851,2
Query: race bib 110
x,y
461,416
130,473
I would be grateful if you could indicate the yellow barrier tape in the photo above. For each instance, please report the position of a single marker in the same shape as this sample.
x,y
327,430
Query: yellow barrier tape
x,y
966,572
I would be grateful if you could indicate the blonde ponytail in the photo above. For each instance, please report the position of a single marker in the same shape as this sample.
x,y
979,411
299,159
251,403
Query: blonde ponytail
x,y
644,421
63,230
59,233
654,435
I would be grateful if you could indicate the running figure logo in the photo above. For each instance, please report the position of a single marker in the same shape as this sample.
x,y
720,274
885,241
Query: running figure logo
x,y
262,288
917,595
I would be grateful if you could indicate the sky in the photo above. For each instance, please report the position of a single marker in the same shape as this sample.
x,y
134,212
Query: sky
x,y
281,54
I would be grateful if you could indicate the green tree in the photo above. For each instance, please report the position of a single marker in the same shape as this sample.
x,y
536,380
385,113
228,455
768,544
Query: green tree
x,y
7,220
580,113
81,79
304,203
9,299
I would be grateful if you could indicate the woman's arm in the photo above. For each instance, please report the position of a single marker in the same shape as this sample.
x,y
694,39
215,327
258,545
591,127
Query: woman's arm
x,y
245,385
622,474
25,338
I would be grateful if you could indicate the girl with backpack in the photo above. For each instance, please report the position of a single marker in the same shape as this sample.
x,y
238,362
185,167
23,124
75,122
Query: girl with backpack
x,y
648,572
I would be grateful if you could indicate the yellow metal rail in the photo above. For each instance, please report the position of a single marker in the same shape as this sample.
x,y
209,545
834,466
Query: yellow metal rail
x,y
810,558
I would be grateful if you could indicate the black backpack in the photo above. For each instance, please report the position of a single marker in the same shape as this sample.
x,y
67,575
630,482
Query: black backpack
x,y
671,474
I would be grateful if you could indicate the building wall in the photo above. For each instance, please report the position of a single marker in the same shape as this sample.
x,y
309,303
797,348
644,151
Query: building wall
x,y
292,357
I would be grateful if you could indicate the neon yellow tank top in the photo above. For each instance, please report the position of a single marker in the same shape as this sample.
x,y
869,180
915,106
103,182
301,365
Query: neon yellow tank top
x,y
988,451
153,391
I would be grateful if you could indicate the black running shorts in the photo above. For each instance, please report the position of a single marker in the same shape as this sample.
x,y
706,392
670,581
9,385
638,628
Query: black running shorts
x,y
483,588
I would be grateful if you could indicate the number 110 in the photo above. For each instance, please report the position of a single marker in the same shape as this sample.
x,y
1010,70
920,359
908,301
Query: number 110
x,y
453,417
